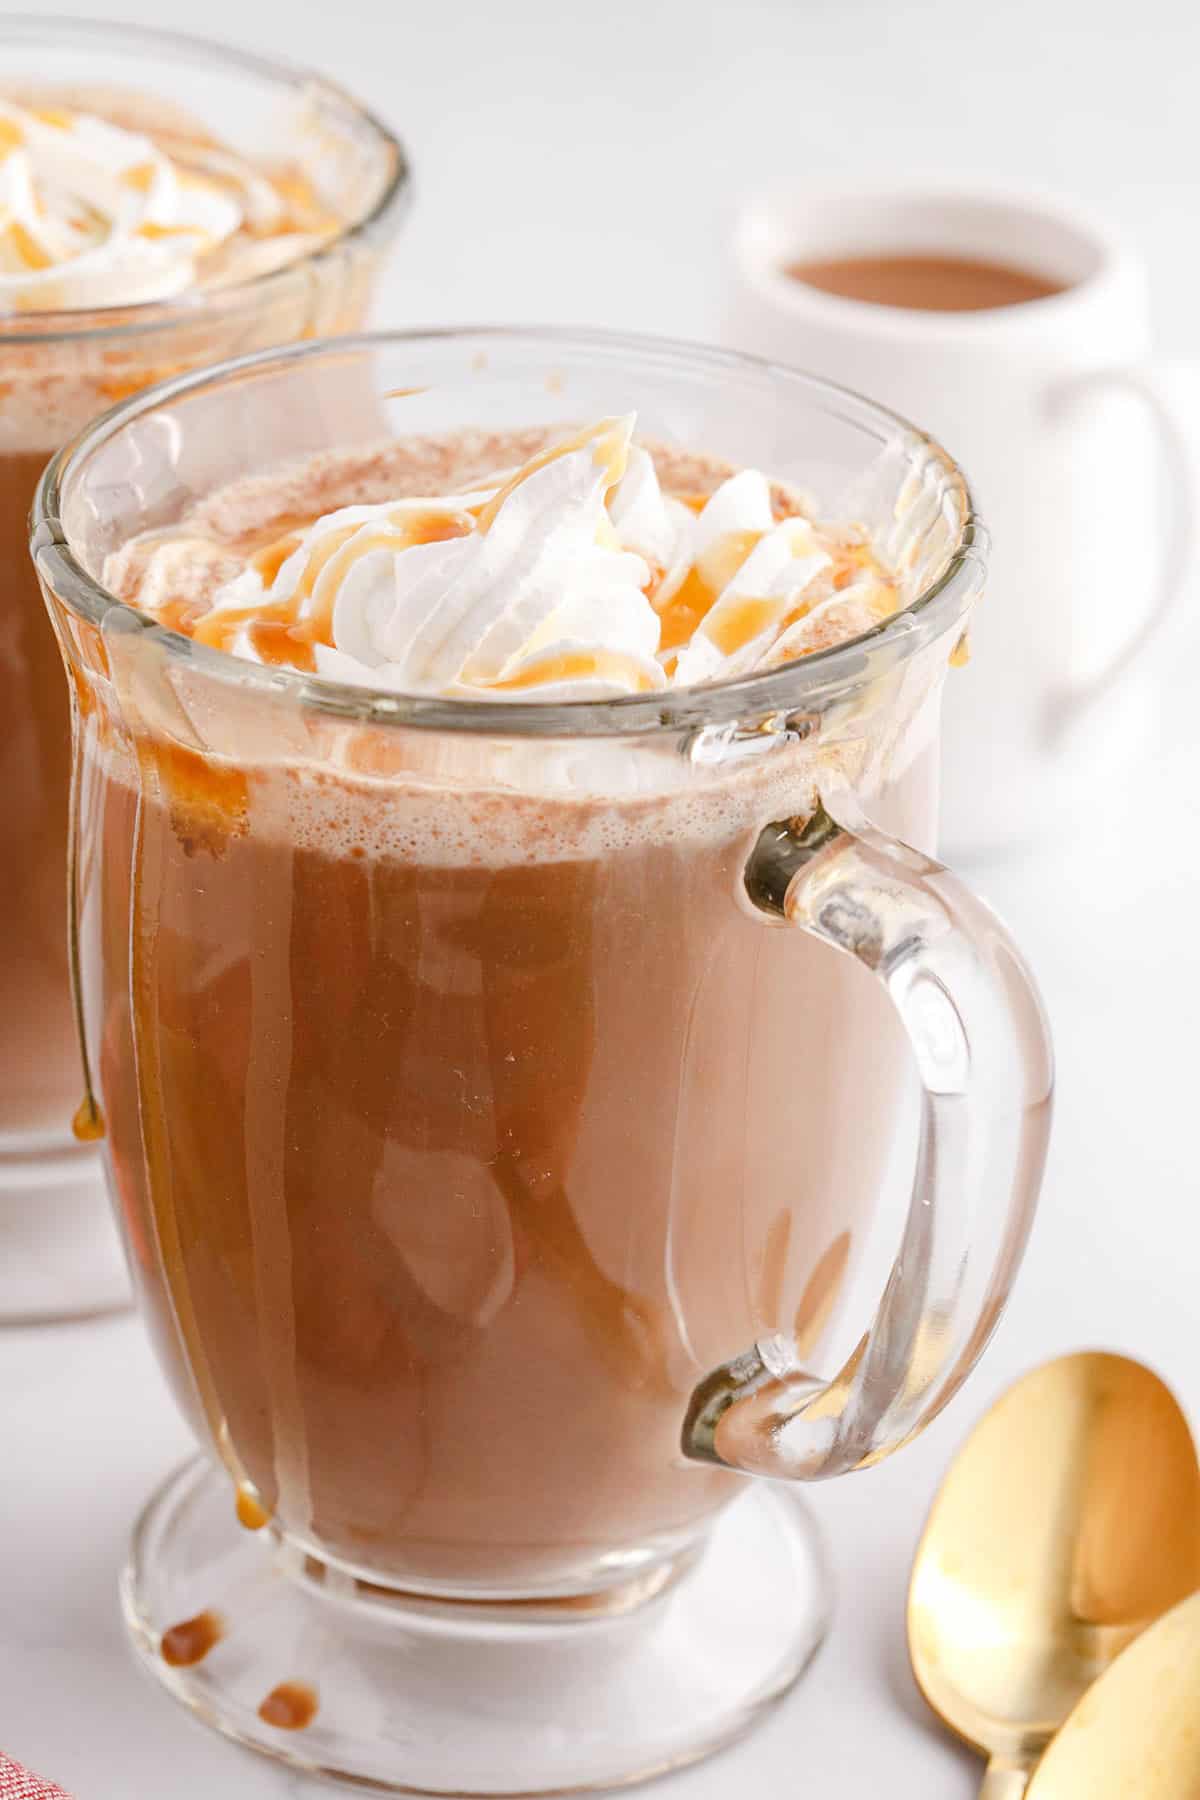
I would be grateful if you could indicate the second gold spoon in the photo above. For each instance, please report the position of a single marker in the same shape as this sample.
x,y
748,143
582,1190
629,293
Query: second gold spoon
x,y
1069,1521
1134,1733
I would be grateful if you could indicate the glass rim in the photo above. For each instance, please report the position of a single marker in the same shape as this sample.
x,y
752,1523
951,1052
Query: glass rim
x,y
63,326
791,687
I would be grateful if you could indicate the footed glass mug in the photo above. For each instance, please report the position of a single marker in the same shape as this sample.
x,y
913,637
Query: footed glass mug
x,y
58,1252
497,1095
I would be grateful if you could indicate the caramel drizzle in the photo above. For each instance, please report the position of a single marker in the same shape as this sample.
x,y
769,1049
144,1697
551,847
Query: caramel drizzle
x,y
610,450
286,631
575,665
281,631
300,209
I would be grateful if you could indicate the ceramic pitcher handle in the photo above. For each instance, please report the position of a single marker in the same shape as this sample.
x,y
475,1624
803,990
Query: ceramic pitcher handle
x,y
978,1033
1155,384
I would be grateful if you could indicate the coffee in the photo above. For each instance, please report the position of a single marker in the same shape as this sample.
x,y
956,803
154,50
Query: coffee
x,y
39,1056
115,204
925,283
462,1112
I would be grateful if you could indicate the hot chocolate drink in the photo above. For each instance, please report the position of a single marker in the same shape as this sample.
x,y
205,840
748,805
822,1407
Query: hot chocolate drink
x,y
133,244
181,212
462,1112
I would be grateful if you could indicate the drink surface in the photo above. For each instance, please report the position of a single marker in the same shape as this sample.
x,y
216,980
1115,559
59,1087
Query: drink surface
x,y
925,283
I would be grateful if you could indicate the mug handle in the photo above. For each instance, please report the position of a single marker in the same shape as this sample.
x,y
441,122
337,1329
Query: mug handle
x,y
1152,383
979,1035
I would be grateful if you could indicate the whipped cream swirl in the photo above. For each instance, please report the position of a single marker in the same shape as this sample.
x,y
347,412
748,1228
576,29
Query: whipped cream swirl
x,y
93,215
574,577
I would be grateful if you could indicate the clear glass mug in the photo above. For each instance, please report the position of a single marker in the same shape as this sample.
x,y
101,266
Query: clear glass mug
x,y
58,370
497,1096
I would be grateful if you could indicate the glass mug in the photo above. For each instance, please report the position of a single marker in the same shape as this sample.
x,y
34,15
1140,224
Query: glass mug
x,y
58,1254
497,1095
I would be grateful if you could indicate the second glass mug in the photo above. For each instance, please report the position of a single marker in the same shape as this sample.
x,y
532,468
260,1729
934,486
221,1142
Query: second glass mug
x,y
57,370
497,1095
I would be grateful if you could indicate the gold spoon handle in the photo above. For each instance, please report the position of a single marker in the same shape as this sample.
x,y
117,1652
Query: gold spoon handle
x,y
1007,1777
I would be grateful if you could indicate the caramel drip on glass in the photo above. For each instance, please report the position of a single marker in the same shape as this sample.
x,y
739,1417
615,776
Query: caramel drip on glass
x,y
184,1645
87,1125
290,1706
144,987
252,1515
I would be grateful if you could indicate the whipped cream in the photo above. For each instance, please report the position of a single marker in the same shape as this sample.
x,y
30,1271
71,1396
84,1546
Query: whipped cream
x,y
93,215
574,577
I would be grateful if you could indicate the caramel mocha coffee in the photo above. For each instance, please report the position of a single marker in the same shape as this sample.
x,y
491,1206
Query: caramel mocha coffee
x,y
107,202
462,1113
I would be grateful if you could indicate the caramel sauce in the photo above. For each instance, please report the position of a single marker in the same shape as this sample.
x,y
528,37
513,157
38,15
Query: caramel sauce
x,y
251,1513
268,561
154,232
960,656
722,560
685,611
279,630
276,642
181,615
284,631
189,1642
87,1123
29,251
740,622
607,454
290,1706
207,799
305,210
576,665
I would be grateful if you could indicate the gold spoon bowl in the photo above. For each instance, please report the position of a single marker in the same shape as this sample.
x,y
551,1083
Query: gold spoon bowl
x,y
1067,1524
1136,1734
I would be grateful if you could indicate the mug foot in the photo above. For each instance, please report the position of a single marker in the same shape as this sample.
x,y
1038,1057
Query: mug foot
x,y
402,1694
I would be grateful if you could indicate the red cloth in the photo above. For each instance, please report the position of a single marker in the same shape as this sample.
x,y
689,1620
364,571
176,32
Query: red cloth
x,y
17,1783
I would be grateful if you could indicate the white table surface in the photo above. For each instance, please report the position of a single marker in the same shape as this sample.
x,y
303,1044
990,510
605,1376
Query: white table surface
x,y
633,127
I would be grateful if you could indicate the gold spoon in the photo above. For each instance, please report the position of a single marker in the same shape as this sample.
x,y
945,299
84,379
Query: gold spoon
x,y
1134,1733
1069,1521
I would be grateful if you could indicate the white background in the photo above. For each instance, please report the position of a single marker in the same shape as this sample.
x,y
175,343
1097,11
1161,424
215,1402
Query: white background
x,y
580,164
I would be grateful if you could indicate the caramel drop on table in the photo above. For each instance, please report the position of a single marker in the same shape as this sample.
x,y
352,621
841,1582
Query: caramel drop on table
x,y
88,1123
250,1510
191,1640
290,1706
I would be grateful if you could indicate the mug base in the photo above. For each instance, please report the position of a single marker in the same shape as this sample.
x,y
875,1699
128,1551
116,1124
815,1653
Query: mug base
x,y
405,1695
60,1257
